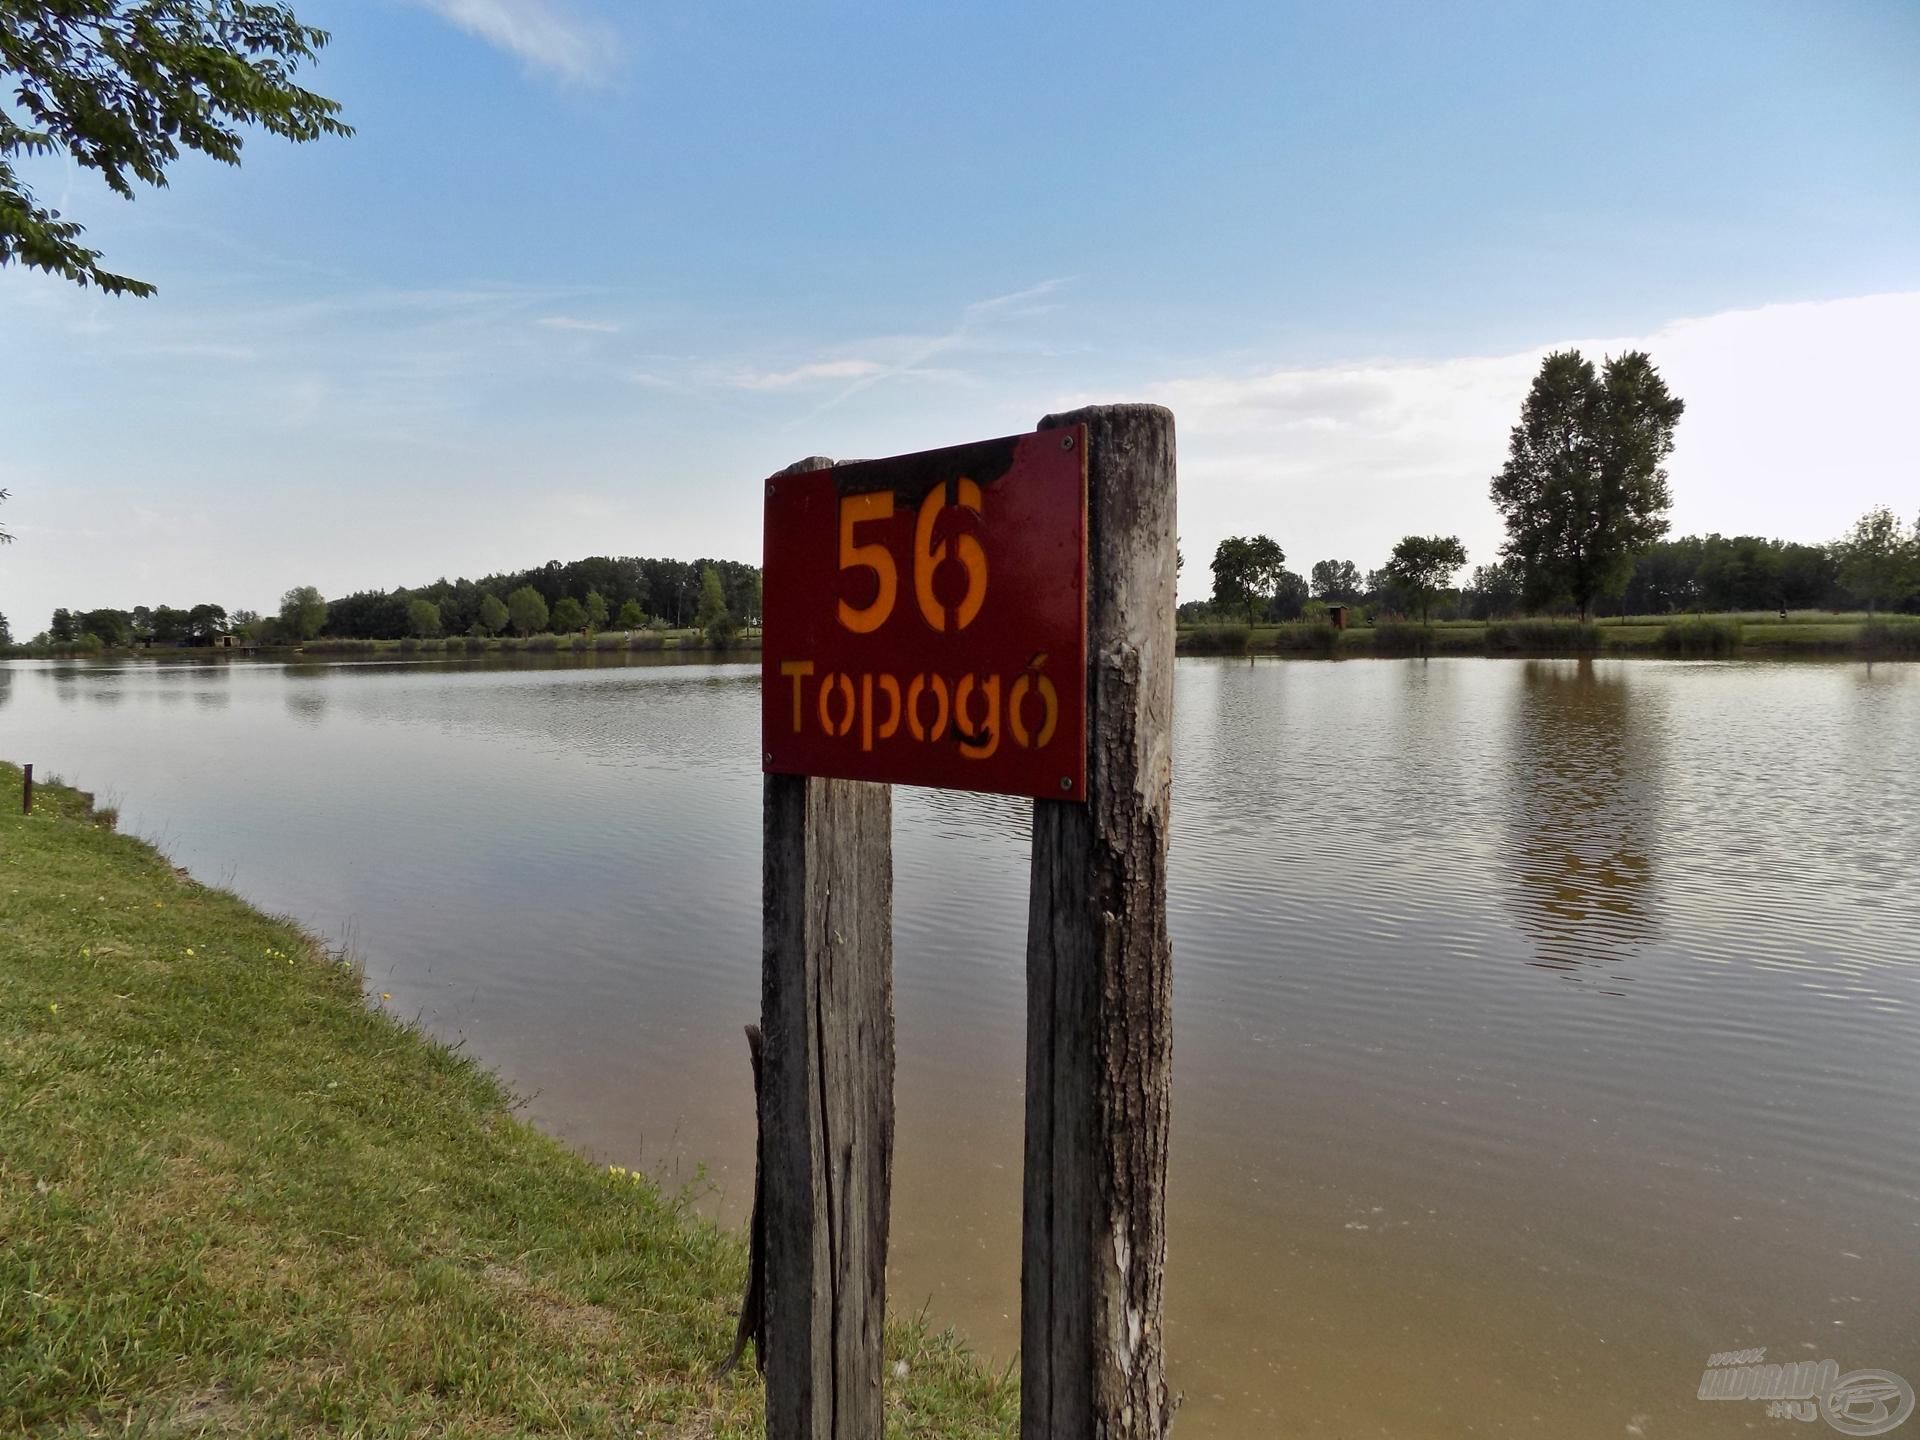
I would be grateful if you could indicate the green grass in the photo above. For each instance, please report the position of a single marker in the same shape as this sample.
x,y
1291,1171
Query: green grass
x,y
1889,637
1536,637
238,1197
1215,639
1313,637
1804,632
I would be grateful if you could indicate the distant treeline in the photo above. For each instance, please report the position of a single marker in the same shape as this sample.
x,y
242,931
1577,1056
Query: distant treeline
x,y
1695,573
633,591
600,592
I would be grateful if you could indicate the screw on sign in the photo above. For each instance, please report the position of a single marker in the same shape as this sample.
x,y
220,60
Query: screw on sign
x,y
926,619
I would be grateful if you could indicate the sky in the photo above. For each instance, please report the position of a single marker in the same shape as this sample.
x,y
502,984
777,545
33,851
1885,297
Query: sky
x,y
588,271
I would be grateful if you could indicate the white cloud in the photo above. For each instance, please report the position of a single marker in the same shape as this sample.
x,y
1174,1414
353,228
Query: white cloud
x,y
1799,416
543,34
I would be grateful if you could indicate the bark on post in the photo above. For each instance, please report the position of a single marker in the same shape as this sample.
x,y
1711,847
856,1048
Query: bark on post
x,y
1099,979
826,1113
752,1325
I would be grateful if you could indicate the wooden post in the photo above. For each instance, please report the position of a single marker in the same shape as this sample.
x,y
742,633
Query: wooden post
x,y
1099,979
826,1116
26,790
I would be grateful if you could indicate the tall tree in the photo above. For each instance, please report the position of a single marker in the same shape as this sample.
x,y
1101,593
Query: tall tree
x,y
1421,566
569,615
1879,559
596,608
302,613
1585,488
1246,571
527,608
122,86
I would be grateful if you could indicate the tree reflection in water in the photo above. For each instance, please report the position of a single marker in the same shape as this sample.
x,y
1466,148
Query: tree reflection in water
x,y
1582,817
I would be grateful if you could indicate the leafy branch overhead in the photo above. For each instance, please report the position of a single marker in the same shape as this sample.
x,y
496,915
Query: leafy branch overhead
x,y
122,87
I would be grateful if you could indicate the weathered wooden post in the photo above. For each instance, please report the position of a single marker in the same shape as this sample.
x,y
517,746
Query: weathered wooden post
x,y
26,789
1099,979
997,617
826,1110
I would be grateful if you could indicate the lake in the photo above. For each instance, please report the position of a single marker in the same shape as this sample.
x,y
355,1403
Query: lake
x,y
1541,1027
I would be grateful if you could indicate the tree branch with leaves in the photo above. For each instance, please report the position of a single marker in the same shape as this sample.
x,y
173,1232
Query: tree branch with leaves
x,y
122,87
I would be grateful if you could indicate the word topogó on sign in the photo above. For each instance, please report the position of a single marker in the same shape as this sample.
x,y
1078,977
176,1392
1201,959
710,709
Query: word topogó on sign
x,y
926,618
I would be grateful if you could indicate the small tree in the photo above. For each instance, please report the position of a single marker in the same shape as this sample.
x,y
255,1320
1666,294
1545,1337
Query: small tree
x,y
493,614
423,618
569,615
632,617
302,614
1246,571
1422,566
527,609
713,618
1584,489
63,629
596,610
1877,558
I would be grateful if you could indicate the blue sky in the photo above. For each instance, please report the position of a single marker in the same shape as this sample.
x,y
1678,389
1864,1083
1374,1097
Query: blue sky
x,y
588,271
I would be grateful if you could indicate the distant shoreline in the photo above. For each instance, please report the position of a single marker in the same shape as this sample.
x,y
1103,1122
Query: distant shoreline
x,y
605,642
1644,636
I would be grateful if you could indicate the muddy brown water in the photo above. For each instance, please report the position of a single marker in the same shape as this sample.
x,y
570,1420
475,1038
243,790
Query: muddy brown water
x,y
1542,1027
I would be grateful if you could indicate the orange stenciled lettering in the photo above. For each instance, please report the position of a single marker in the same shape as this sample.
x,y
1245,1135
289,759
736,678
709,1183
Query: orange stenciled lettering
x,y
981,743
856,510
938,688
928,557
890,688
795,670
1016,720
836,683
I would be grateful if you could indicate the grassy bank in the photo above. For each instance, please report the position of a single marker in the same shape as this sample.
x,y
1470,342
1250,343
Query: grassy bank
x,y
237,1197
1808,633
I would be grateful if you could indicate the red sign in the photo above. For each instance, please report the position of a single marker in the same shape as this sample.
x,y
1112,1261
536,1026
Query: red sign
x,y
926,619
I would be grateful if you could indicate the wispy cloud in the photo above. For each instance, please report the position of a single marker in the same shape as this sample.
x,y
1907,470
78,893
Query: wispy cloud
x,y
574,322
973,319
808,374
543,34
